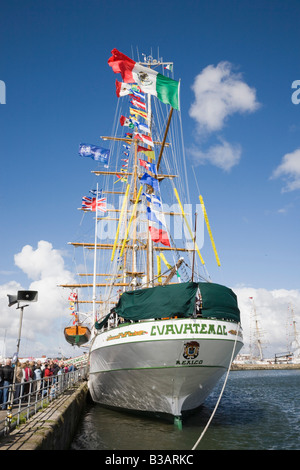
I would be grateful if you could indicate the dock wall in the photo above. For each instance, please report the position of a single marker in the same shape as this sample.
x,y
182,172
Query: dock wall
x,y
262,366
52,428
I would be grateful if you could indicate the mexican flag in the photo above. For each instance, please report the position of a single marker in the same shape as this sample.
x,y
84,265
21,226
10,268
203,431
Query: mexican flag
x,y
122,89
149,81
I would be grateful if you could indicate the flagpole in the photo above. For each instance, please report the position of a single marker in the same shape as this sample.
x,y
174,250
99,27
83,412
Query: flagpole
x,y
150,243
95,260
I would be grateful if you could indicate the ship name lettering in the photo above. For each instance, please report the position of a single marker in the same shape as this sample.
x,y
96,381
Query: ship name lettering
x,y
207,329
189,362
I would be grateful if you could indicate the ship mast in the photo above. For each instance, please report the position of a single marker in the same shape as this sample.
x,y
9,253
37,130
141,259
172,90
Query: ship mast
x,y
258,352
129,251
293,342
149,241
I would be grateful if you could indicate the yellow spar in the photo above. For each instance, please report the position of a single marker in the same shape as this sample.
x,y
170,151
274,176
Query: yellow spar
x,y
209,230
131,218
158,269
120,221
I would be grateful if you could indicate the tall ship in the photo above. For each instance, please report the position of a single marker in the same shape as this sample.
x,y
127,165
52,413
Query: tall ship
x,y
160,334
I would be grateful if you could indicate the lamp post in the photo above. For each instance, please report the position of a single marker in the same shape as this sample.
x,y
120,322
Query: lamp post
x,y
28,296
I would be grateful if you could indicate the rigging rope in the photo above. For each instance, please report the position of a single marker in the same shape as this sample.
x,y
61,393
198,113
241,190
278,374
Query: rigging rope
x,y
220,396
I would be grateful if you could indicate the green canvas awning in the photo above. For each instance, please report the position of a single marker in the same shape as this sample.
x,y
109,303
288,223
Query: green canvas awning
x,y
177,300
218,302
158,302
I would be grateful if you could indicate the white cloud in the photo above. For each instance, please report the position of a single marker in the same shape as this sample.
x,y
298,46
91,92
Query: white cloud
x,y
220,93
223,155
273,309
43,320
289,171
44,262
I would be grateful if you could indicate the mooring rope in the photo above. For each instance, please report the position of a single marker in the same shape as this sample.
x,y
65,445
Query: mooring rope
x,y
220,396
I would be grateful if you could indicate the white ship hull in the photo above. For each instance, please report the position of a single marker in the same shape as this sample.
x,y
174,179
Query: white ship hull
x,y
165,367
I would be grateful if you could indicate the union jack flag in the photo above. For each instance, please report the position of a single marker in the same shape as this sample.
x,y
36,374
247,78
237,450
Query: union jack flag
x,y
89,204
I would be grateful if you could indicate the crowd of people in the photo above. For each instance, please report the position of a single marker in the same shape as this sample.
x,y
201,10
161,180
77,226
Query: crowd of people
x,y
30,376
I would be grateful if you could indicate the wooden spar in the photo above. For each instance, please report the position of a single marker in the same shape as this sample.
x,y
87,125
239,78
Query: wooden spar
x,y
122,139
109,246
102,284
173,271
97,302
113,192
103,172
129,141
164,139
99,274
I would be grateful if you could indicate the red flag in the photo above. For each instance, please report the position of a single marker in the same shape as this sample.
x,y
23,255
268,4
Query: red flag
x,y
122,64
144,138
158,235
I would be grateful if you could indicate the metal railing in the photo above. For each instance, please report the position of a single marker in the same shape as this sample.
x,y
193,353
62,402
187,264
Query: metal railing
x,y
26,398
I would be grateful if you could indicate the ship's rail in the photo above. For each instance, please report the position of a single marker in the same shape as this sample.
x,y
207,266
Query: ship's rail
x,y
27,398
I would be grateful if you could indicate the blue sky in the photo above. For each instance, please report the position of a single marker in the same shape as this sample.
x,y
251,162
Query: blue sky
x,y
60,92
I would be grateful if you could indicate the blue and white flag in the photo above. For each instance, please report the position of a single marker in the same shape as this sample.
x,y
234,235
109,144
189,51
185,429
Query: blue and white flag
x,y
98,154
94,192
153,199
156,216
143,128
147,179
138,94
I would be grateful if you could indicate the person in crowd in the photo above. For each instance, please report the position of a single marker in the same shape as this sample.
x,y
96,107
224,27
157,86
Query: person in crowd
x,y
28,377
1,384
37,376
47,378
55,368
8,376
19,379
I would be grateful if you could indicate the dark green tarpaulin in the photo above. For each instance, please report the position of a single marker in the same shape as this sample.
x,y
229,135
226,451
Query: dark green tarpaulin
x,y
218,301
158,302
177,300
98,325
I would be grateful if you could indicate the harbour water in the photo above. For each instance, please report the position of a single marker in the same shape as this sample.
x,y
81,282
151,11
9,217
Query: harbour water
x,y
259,410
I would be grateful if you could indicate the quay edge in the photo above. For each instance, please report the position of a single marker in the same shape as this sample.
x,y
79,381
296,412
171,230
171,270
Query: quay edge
x,y
257,366
53,428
